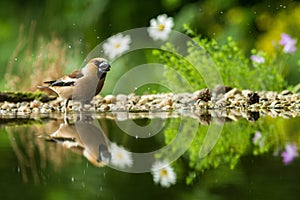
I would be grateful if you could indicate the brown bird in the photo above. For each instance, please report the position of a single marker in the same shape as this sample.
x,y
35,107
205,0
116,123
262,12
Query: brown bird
x,y
81,85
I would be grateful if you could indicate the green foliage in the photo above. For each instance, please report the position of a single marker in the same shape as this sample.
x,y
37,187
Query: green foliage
x,y
228,59
38,59
269,75
185,72
252,24
234,67
233,143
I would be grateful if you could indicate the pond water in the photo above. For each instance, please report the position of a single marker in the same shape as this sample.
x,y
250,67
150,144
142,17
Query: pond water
x,y
208,155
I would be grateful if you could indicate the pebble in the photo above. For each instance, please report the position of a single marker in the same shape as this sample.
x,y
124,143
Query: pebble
x,y
143,100
44,110
253,98
121,98
4,106
220,90
203,94
109,99
104,107
35,104
286,92
232,93
24,109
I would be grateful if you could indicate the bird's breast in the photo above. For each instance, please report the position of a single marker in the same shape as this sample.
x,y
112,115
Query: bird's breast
x,y
85,88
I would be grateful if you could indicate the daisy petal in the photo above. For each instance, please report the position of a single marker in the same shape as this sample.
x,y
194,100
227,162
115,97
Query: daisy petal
x,y
160,28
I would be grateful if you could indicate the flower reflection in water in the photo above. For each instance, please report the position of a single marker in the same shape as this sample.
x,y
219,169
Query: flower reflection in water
x,y
290,153
120,157
163,174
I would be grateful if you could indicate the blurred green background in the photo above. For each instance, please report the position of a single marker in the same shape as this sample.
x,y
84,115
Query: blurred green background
x,y
77,26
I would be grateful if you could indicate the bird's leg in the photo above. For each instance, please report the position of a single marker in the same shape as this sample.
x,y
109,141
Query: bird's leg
x,y
66,106
81,106
66,120
65,117
66,111
81,109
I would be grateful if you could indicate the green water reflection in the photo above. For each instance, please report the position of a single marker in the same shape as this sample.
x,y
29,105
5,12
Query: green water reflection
x,y
49,157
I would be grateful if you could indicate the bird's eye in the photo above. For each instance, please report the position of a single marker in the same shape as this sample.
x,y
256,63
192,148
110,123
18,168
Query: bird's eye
x,y
97,63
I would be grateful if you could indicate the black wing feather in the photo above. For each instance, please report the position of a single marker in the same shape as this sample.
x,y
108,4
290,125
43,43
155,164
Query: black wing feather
x,y
62,83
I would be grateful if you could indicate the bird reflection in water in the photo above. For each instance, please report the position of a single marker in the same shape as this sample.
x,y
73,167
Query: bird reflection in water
x,y
84,137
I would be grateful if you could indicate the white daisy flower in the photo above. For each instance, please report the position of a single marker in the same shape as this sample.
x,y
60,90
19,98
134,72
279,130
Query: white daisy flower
x,y
163,173
116,45
120,157
161,27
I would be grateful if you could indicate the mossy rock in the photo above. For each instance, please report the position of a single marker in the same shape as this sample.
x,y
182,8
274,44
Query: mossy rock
x,y
25,96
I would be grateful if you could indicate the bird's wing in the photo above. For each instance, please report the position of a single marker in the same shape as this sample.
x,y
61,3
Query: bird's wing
x,y
68,80
76,74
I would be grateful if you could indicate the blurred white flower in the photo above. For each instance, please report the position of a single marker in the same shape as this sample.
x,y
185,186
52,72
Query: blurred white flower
x,y
163,173
161,27
116,45
120,157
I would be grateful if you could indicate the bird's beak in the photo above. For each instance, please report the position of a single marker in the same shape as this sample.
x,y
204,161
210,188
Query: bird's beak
x,y
104,154
104,66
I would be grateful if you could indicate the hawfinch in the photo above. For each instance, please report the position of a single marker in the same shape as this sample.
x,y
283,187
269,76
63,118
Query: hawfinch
x,y
81,85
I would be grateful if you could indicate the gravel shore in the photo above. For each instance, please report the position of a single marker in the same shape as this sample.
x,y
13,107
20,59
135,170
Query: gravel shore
x,y
221,98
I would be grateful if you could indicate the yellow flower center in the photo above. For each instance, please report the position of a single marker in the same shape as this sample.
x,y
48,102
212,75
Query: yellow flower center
x,y
161,27
163,173
119,155
117,45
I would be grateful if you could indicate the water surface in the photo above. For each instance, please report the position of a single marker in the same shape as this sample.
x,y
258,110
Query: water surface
x,y
214,156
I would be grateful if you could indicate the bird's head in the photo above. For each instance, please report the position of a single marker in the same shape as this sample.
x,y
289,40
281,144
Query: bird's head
x,y
102,66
